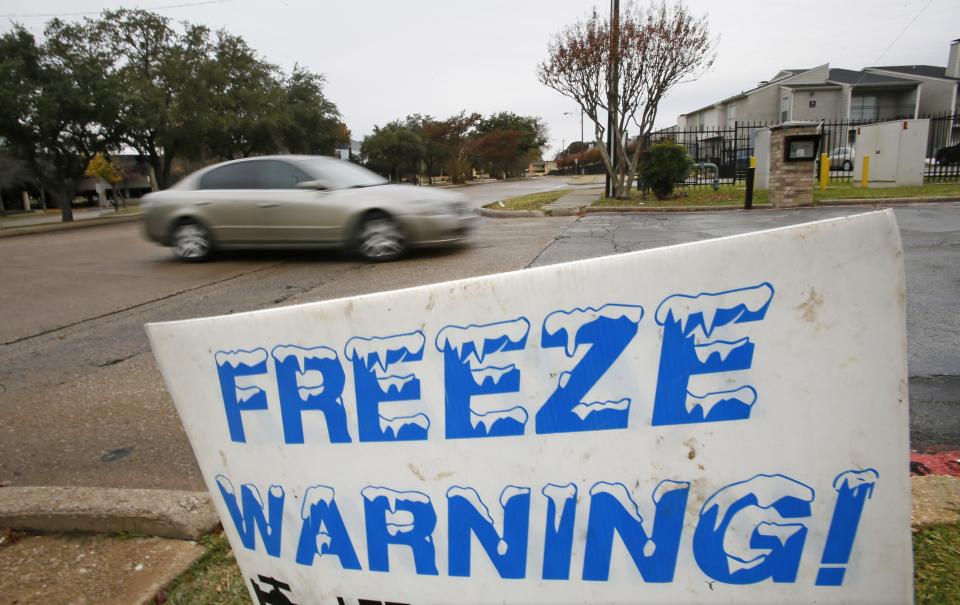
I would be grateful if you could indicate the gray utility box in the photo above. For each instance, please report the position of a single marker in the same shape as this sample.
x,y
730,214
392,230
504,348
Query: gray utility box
x,y
897,152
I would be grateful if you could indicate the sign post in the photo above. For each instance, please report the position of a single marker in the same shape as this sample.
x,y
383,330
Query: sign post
x,y
716,422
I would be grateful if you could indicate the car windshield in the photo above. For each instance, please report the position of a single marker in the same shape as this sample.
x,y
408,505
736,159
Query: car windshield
x,y
342,174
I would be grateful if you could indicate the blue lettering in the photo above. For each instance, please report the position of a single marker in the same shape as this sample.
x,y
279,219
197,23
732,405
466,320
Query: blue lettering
x,y
651,536
558,533
405,518
854,488
237,398
606,331
688,350
506,547
249,518
310,379
762,546
465,351
323,531
372,359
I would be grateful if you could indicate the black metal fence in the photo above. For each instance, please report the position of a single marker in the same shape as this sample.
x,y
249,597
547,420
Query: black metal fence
x,y
722,155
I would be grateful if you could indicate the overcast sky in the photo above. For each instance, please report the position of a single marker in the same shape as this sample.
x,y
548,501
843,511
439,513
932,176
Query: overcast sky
x,y
384,59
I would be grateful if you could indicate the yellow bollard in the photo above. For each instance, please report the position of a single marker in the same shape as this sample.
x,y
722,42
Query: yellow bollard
x,y
866,172
753,161
824,171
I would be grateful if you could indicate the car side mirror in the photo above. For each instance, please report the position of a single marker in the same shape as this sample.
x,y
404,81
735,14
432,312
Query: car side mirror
x,y
318,184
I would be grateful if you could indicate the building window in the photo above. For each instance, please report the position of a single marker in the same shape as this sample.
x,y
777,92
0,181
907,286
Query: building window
x,y
864,109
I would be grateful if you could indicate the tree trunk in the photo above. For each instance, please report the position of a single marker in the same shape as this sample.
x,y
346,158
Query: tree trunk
x,y
156,163
64,198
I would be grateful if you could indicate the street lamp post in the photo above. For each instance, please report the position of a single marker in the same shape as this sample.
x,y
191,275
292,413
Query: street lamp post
x,y
570,113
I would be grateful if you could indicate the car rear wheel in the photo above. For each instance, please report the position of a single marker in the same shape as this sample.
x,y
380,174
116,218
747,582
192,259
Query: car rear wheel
x,y
191,242
379,239
847,165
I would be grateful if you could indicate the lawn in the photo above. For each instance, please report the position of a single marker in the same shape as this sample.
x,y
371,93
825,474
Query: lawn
x,y
732,195
216,579
213,579
533,201
936,561
727,195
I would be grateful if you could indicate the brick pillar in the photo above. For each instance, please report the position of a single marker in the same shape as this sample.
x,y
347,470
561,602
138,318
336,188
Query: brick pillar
x,y
791,183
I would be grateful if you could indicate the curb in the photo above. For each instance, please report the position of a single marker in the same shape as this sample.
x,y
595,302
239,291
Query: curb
x,y
875,202
51,227
184,515
491,213
600,209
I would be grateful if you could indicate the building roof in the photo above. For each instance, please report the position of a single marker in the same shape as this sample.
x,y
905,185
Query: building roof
x,y
782,74
928,71
864,78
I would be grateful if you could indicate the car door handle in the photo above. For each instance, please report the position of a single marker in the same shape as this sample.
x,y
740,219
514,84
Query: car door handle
x,y
205,203
266,204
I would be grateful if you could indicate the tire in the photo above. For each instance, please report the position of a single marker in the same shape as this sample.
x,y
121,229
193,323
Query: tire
x,y
847,165
379,239
191,242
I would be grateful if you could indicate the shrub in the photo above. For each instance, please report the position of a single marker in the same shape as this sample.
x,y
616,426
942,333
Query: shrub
x,y
662,165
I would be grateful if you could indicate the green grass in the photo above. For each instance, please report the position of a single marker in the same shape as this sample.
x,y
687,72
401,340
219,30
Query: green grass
x,y
213,579
936,553
533,201
849,192
727,195
730,195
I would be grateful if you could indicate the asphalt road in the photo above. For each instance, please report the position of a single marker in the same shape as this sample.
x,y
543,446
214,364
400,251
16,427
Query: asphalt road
x,y
82,403
81,400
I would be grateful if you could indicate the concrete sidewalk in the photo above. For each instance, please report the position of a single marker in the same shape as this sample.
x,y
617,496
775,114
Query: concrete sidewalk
x,y
89,569
572,203
52,222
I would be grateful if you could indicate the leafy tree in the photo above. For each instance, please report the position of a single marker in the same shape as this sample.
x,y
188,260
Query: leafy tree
x,y
103,168
13,173
453,137
150,77
394,149
246,92
58,104
622,68
431,132
311,122
507,143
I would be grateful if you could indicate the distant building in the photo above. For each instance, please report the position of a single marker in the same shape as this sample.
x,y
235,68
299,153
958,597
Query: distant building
x,y
346,151
939,86
541,167
832,94
138,178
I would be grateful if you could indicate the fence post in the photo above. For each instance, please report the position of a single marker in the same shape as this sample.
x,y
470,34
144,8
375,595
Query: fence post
x,y
748,200
865,177
824,171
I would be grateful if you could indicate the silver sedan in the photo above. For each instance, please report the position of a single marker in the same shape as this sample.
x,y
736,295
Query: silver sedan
x,y
298,202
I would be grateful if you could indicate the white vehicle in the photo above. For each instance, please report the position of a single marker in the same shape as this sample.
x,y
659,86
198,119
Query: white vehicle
x,y
301,202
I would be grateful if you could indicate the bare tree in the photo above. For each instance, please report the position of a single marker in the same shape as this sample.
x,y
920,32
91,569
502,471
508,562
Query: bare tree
x,y
654,48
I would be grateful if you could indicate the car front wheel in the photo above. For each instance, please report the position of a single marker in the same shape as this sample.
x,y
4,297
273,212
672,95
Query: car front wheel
x,y
191,242
847,165
379,239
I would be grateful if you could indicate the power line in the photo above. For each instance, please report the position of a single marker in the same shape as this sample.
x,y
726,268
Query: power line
x,y
917,16
83,14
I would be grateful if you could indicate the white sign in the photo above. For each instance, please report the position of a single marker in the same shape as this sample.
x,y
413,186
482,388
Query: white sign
x,y
718,422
